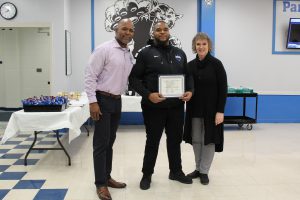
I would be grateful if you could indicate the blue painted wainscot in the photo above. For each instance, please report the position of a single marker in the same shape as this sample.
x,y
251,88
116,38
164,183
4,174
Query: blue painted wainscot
x,y
271,109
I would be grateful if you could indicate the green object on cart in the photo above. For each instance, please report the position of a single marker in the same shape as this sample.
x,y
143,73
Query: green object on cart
x,y
239,90
231,90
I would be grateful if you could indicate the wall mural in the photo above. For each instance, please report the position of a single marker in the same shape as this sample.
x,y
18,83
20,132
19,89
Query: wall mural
x,y
143,14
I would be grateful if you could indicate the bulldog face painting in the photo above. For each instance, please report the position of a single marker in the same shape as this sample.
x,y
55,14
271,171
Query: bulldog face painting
x,y
143,14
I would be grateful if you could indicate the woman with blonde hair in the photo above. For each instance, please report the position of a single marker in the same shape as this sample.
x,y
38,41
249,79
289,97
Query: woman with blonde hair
x,y
205,111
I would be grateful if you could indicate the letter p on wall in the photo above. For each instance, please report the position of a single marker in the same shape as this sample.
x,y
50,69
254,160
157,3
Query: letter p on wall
x,y
292,7
286,5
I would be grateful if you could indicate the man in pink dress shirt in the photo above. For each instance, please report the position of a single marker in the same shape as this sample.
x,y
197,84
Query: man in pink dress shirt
x,y
106,78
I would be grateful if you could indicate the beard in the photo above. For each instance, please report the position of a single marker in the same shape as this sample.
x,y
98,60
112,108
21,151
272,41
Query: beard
x,y
159,42
123,42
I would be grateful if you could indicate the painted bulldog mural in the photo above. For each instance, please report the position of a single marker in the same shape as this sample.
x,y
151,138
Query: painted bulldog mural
x,y
144,14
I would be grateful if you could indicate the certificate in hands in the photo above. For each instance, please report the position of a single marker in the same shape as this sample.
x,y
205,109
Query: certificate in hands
x,y
171,85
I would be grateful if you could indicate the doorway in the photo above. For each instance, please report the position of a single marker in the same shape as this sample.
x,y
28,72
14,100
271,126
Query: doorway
x,y
25,61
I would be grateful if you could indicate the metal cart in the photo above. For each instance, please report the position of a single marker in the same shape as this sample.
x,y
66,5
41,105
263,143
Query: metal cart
x,y
242,120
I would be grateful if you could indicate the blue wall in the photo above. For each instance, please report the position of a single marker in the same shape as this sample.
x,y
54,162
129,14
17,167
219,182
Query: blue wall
x,y
279,108
271,109
206,18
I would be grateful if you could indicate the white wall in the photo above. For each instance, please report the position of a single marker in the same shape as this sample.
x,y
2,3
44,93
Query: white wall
x,y
80,12
67,14
243,40
32,12
243,43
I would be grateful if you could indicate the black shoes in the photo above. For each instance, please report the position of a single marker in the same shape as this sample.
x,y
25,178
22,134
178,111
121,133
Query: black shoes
x,y
145,182
194,174
181,177
204,179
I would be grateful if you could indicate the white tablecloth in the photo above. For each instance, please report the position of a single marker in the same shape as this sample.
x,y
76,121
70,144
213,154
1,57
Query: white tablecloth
x,y
131,103
72,118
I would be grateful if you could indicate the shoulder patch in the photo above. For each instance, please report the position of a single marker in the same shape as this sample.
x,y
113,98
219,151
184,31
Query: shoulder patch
x,y
178,58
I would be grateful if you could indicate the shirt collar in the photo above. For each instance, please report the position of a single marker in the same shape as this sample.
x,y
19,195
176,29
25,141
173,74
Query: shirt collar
x,y
117,45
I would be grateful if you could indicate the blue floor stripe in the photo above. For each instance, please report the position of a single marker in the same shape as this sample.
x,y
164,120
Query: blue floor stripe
x,y
4,150
12,156
12,142
22,146
12,175
46,143
51,194
3,193
38,151
4,167
29,162
29,184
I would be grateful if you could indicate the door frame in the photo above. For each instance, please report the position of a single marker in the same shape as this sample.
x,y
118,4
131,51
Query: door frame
x,y
34,25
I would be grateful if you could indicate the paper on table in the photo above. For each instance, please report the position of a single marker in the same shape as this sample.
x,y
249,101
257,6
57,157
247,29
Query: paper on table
x,y
78,103
74,103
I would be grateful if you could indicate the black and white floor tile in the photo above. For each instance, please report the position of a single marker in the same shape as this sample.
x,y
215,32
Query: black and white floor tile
x,y
13,181
261,164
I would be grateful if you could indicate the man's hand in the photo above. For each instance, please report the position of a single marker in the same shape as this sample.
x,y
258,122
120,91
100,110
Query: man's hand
x,y
219,118
186,96
155,97
95,111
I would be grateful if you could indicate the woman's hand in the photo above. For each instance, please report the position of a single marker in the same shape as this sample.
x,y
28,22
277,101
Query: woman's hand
x,y
219,118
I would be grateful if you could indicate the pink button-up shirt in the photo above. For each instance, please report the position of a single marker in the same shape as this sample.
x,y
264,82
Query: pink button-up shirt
x,y
108,70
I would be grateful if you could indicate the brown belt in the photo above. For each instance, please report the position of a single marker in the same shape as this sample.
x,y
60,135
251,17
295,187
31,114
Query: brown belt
x,y
108,94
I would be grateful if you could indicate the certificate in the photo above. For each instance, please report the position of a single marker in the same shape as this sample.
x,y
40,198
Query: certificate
x,y
171,85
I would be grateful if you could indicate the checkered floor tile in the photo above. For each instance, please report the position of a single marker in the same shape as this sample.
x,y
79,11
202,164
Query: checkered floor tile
x,y
3,193
51,194
12,154
29,184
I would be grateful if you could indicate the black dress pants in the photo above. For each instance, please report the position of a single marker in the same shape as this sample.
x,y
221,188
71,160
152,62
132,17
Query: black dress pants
x,y
156,120
104,137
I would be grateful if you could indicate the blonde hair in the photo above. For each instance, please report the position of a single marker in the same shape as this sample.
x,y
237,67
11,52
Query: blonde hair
x,y
201,36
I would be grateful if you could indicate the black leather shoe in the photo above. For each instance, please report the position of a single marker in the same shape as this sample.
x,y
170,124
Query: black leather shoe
x,y
204,179
181,177
194,174
145,182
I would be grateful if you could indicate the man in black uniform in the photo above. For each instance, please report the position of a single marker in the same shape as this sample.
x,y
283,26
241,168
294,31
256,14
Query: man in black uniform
x,y
161,58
